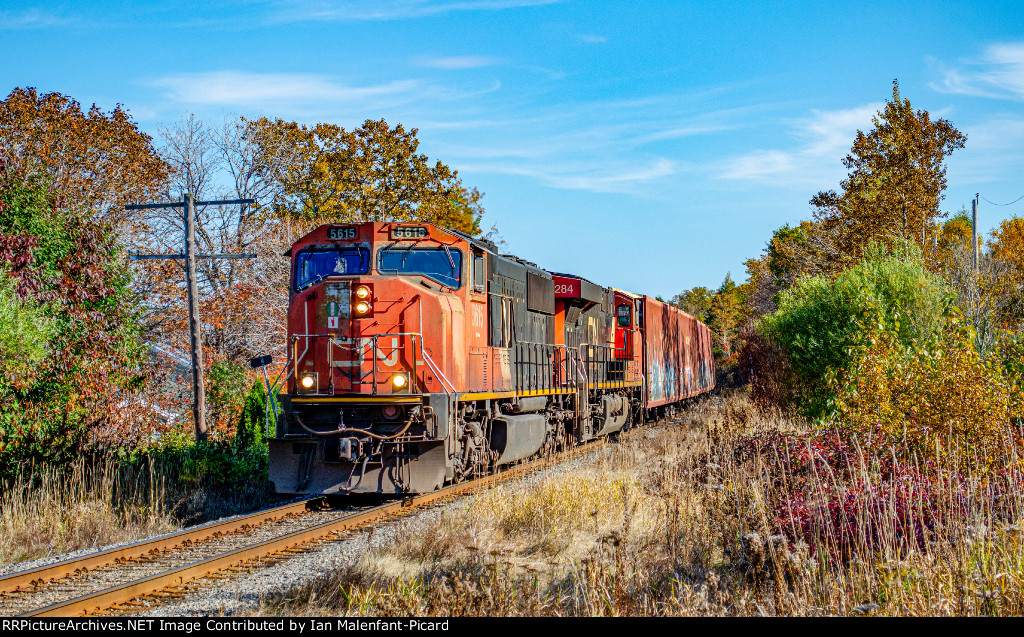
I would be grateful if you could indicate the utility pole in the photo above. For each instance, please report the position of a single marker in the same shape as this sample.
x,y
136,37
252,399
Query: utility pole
x,y
189,204
974,229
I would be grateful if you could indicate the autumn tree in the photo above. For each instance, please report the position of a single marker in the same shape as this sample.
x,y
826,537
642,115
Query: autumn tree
x,y
371,173
65,175
793,252
98,161
950,238
241,302
990,293
77,361
725,315
695,302
895,184
1006,247
762,289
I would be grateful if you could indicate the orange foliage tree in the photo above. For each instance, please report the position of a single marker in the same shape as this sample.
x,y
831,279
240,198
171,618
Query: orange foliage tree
x,y
1007,248
895,184
371,173
97,161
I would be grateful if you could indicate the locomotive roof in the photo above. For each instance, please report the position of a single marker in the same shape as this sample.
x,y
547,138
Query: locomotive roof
x,y
478,242
571,276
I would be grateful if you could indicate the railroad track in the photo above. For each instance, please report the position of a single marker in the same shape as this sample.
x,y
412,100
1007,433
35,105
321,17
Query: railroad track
x,y
157,569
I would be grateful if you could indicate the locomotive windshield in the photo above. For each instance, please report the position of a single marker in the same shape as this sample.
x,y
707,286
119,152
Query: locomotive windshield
x,y
313,265
443,264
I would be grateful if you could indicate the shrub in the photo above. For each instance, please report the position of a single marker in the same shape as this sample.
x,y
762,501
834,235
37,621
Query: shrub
x,y
25,332
818,320
226,392
939,399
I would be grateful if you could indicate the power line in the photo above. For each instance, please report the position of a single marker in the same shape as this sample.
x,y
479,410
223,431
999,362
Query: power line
x,y
1003,204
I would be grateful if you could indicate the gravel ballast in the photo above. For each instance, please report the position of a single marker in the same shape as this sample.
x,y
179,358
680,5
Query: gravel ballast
x,y
244,594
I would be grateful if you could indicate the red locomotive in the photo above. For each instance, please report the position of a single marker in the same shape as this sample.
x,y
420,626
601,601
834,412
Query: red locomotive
x,y
419,356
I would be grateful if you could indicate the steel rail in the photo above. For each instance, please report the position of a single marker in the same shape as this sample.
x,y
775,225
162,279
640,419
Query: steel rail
x,y
181,575
23,579
176,577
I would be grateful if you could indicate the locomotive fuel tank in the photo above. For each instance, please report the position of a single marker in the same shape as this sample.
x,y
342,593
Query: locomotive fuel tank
x,y
517,437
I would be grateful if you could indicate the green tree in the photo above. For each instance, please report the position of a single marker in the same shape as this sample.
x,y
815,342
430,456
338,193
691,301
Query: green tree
x,y
695,301
67,265
371,173
895,184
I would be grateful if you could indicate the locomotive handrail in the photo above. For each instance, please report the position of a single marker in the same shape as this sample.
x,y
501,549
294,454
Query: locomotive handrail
x,y
597,356
445,383
359,345
560,375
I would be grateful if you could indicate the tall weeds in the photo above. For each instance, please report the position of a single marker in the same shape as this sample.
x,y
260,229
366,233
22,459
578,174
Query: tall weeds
x,y
738,512
48,510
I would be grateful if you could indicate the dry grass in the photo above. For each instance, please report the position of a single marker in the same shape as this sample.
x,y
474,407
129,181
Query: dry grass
x,y
80,506
689,521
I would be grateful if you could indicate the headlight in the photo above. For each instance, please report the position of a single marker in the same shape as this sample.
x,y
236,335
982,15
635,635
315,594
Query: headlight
x,y
362,307
363,293
399,381
307,383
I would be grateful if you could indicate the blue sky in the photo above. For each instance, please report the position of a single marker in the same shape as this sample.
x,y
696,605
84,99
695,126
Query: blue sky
x,y
652,146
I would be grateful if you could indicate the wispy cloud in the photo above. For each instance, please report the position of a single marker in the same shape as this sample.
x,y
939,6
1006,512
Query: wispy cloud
x,y
998,73
994,151
591,38
458,62
820,142
32,19
233,88
391,9
611,146
605,177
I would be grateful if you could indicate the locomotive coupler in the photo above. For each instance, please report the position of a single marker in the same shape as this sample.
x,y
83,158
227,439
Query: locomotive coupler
x,y
349,449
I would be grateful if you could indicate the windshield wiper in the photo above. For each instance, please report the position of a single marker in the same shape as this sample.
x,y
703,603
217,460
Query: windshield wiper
x,y
408,251
362,255
311,282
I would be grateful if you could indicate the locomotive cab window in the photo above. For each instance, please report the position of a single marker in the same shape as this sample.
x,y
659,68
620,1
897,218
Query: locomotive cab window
x,y
318,263
443,264
625,315
479,274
